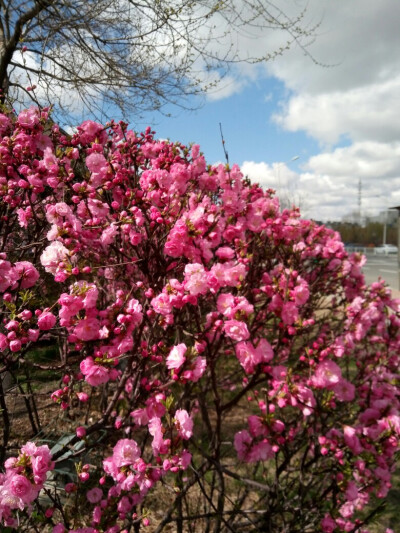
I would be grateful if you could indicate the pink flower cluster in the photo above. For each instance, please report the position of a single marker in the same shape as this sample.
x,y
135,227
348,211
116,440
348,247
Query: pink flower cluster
x,y
25,326
23,479
186,364
21,275
207,319
132,475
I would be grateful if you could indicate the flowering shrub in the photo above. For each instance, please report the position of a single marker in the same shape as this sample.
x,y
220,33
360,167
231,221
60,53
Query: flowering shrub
x,y
212,351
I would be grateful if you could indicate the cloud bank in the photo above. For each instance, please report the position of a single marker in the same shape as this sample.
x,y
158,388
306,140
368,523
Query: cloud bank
x,y
350,106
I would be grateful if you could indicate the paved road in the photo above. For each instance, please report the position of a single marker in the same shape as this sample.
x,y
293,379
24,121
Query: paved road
x,y
384,266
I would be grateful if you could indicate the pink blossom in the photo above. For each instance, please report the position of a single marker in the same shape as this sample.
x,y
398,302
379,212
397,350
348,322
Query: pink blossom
x,y
264,351
96,162
176,356
140,416
27,274
53,255
42,452
164,266
155,429
327,375
304,398
80,432
197,369
8,275
29,448
21,487
29,118
236,330
195,279
90,130
5,123
260,451
94,495
229,305
235,275
46,321
24,216
94,374
134,309
186,458
97,208
70,306
124,505
125,452
40,466
3,342
70,487
344,390
55,212
97,514
162,304
184,424
347,509
256,426
328,524
50,161
88,291
87,329
225,304
352,491
290,313
229,274
225,253
15,345
33,334
242,443
351,439
109,234
247,356
174,246
82,396
83,476
301,293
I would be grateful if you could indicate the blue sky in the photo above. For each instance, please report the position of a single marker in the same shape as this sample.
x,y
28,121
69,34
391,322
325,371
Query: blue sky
x,y
247,125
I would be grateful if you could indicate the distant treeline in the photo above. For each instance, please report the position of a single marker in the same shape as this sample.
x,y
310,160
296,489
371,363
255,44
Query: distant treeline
x,y
371,234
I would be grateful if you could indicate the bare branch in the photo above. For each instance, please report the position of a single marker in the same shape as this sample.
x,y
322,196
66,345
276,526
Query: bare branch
x,y
138,55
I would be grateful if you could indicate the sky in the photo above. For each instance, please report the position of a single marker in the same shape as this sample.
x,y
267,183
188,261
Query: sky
x,y
319,123
314,123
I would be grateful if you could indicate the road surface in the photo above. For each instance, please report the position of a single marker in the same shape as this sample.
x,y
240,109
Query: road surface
x,y
384,266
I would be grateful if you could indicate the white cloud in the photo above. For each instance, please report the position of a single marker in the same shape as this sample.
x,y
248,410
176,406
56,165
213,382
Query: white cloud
x,y
360,113
357,40
355,99
328,186
357,96
368,160
276,176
